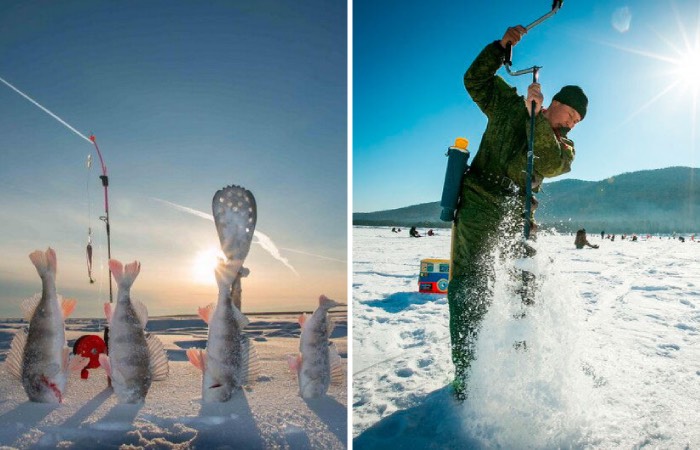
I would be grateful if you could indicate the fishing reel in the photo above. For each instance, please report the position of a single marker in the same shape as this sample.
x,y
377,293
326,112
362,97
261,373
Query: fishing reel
x,y
89,346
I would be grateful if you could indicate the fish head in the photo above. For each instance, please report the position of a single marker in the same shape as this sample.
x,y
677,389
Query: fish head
x,y
217,393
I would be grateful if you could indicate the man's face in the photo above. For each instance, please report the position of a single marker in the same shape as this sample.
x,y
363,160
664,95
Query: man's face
x,y
562,116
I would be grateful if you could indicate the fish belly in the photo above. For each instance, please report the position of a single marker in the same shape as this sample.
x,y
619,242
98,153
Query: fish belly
x,y
222,373
43,372
315,371
129,358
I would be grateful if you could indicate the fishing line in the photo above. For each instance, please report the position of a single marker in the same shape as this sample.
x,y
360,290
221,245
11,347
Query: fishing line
x,y
103,177
88,249
46,110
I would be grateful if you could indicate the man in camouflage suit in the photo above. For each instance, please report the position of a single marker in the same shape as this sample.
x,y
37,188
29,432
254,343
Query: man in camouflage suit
x,y
491,207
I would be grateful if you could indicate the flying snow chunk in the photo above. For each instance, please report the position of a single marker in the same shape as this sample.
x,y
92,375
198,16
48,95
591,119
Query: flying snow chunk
x,y
621,19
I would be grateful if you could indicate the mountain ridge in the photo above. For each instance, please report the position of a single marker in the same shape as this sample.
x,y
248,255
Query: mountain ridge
x,y
648,201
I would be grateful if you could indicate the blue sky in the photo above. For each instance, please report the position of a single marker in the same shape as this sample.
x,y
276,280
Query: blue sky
x,y
631,58
184,98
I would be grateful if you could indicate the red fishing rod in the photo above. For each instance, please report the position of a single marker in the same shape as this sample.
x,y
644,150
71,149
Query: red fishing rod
x,y
88,346
105,218
94,347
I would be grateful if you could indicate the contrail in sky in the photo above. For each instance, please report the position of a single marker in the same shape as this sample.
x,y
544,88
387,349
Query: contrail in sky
x,y
314,255
263,240
46,111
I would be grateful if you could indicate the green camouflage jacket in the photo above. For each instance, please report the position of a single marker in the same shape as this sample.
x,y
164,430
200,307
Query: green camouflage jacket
x,y
504,145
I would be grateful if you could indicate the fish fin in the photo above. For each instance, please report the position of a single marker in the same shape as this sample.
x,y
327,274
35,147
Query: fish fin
x,y
240,318
51,260
29,305
251,368
75,363
67,306
78,363
45,262
105,364
141,312
294,362
124,275
205,313
336,361
302,320
326,302
112,372
330,327
197,357
15,357
117,269
158,358
131,271
108,311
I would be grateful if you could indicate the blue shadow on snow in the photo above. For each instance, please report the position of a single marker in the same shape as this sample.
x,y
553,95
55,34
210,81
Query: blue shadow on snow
x,y
401,301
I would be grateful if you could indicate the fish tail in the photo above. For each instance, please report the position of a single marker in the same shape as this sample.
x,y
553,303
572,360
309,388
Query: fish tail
x,y
326,302
45,262
124,275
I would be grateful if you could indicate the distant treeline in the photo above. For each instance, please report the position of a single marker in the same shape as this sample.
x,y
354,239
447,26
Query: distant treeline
x,y
650,201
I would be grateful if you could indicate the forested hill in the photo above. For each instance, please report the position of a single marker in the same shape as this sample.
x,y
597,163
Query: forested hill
x,y
650,201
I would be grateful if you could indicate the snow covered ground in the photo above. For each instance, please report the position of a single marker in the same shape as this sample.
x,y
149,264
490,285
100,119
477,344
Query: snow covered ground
x,y
271,414
612,359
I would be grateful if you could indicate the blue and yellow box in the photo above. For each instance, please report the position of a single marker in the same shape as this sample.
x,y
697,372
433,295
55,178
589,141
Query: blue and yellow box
x,y
434,275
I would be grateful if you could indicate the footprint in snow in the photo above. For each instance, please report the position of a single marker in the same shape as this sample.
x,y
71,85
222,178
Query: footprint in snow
x,y
405,372
667,350
425,362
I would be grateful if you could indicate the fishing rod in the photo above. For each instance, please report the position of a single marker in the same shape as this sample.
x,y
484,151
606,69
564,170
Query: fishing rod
x,y
105,218
534,70
88,345
103,177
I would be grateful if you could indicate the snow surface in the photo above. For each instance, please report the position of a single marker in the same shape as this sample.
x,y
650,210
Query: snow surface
x,y
612,359
270,414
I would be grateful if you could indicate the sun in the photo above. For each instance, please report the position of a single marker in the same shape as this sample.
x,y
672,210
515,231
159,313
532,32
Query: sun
x,y
687,68
204,263
679,63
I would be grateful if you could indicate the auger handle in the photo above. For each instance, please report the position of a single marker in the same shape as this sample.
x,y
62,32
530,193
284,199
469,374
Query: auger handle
x,y
555,7
508,59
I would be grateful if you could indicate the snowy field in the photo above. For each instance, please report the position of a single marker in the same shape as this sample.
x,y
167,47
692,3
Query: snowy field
x,y
270,414
612,359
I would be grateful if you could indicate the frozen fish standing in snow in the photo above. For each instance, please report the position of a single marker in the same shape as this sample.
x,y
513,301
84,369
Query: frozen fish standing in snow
x,y
39,356
318,362
230,360
135,357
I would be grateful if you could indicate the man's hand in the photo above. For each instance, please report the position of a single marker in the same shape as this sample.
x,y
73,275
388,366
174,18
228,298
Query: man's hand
x,y
534,94
513,35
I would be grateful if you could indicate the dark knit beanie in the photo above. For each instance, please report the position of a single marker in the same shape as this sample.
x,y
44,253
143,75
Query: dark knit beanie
x,y
573,96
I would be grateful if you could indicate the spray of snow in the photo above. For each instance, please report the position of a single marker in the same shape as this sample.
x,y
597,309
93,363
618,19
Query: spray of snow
x,y
527,384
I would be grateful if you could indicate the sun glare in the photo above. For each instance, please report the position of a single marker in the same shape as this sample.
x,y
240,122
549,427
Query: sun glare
x,y
204,264
680,63
688,68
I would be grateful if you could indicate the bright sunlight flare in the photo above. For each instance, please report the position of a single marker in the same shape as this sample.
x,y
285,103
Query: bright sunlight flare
x,y
204,264
688,68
